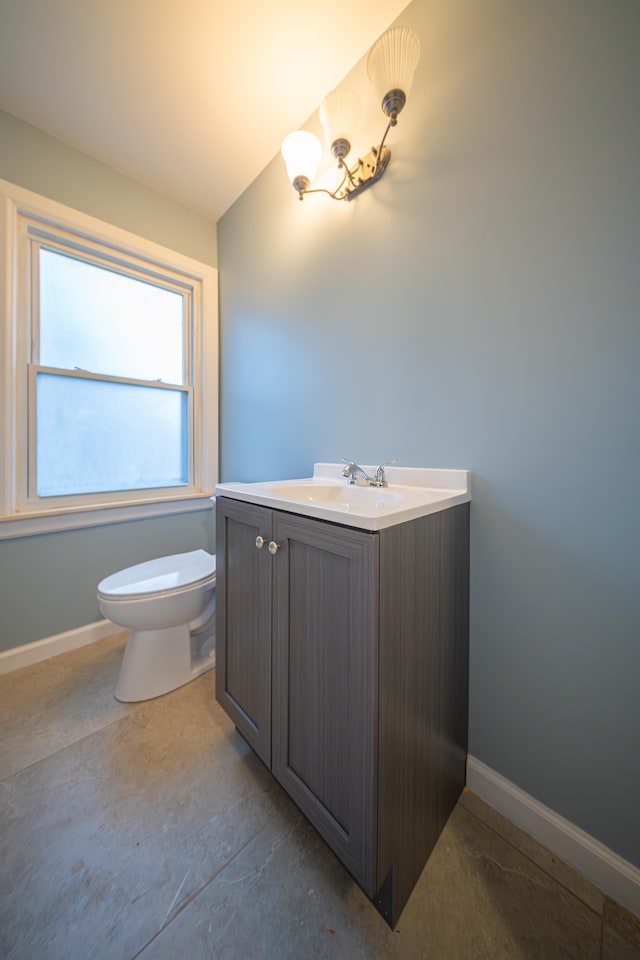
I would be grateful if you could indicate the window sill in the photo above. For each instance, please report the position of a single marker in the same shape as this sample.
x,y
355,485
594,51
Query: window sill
x,y
32,525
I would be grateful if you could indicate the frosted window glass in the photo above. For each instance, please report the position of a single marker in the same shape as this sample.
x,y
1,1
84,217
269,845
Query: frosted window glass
x,y
94,436
105,322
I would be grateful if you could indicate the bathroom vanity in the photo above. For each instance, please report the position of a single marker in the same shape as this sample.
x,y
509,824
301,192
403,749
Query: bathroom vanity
x,y
342,656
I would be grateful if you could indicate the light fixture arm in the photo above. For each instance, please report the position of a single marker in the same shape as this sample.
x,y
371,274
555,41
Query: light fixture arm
x,y
363,175
348,174
335,194
391,123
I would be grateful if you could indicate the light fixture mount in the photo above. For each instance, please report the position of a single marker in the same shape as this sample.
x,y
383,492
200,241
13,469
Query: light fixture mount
x,y
365,173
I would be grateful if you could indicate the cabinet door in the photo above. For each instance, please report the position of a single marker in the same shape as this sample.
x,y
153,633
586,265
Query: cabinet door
x,y
243,620
325,681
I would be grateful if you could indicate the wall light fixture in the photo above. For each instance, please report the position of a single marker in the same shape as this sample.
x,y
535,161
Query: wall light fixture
x,y
390,65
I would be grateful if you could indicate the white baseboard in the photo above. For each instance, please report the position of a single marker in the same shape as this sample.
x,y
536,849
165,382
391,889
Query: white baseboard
x,y
616,877
51,646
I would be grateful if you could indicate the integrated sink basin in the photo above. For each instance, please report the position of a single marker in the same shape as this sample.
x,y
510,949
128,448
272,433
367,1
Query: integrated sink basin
x,y
337,494
411,492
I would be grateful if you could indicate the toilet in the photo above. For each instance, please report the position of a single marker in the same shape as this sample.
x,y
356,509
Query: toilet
x,y
168,604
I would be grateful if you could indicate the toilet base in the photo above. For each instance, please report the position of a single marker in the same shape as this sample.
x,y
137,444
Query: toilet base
x,y
157,661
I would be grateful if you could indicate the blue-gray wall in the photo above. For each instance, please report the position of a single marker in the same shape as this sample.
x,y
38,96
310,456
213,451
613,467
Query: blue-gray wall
x,y
35,161
480,308
48,583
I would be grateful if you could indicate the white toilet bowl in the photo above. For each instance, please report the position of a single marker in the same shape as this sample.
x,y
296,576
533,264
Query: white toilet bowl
x,y
168,605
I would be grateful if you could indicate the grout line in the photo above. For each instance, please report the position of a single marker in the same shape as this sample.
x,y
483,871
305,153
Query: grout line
x,y
196,893
608,872
66,746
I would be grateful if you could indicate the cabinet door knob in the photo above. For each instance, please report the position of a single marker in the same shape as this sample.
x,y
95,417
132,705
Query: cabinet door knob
x,y
259,543
273,548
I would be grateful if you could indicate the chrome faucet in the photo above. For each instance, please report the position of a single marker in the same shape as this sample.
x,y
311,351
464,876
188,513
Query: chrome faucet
x,y
352,470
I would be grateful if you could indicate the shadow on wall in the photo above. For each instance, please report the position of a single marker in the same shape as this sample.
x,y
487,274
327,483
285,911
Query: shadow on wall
x,y
558,614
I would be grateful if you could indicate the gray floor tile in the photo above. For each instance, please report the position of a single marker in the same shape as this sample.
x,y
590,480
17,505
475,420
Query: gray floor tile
x,y
483,899
52,704
286,896
615,947
152,830
624,926
105,840
547,861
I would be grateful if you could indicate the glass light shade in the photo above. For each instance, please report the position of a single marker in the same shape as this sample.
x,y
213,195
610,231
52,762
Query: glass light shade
x,y
301,152
340,113
392,61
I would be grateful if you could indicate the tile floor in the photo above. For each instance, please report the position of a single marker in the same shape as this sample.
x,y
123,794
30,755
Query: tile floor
x,y
151,830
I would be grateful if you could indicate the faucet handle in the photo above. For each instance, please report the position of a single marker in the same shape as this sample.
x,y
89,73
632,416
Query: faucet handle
x,y
380,477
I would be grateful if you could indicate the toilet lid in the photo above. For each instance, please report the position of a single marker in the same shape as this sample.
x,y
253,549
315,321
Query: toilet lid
x,y
172,573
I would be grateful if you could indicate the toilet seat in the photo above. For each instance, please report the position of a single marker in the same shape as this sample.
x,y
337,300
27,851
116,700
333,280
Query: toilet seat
x,y
166,577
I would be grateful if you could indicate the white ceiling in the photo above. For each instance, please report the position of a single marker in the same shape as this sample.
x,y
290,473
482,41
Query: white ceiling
x,y
189,97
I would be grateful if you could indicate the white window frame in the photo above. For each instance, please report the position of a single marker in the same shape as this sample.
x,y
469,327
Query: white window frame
x,y
27,219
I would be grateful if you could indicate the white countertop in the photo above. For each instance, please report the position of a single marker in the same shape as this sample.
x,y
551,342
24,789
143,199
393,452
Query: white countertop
x,y
411,492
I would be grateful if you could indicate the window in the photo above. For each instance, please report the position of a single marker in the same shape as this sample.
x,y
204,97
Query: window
x,y
112,366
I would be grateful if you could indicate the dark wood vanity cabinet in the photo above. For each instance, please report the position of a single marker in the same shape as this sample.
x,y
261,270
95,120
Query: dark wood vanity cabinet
x,y
243,622
342,658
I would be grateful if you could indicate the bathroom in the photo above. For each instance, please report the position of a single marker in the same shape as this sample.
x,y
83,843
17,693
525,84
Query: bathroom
x,y
476,309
